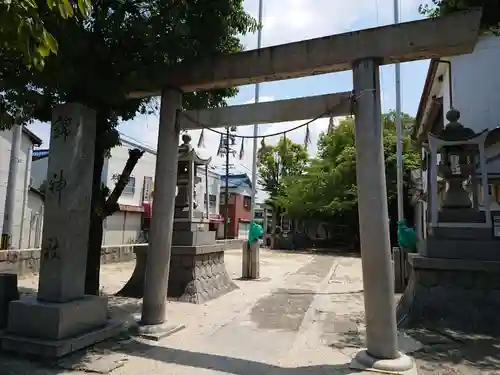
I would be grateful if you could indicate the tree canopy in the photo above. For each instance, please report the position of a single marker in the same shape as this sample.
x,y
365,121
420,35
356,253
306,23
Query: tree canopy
x,y
22,29
327,188
490,21
277,163
122,41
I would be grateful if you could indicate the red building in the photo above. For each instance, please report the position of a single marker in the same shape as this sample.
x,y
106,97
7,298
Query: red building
x,y
240,203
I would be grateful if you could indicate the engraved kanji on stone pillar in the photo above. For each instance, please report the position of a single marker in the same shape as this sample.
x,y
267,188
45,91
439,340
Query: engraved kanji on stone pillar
x,y
67,204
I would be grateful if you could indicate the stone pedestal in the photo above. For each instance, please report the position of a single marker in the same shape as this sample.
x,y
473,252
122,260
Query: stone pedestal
x,y
198,273
62,319
250,264
182,263
8,292
465,243
452,294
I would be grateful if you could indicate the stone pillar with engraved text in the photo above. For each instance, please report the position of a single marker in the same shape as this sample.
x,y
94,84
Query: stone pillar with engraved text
x,y
71,320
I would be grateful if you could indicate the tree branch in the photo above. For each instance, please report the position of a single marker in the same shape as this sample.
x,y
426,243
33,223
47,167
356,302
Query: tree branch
x,y
111,205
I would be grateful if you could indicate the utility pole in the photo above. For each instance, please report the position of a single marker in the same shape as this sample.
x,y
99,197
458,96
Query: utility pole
x,y
228,141
10,196
256,126
399,129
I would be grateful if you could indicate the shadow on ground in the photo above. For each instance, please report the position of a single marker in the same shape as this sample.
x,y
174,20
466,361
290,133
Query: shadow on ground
x,y
224,364
457,352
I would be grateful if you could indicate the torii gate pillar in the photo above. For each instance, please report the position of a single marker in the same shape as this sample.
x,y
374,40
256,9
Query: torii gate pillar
x,y
162,222
378,274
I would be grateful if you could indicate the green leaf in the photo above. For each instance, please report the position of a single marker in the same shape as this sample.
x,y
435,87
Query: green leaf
x,y
44,50
68,7
65,9
50,41
31,3
84,6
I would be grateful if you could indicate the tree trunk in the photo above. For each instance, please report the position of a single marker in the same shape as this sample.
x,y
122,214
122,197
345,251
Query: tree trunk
x,y
273,228
100,210
95,231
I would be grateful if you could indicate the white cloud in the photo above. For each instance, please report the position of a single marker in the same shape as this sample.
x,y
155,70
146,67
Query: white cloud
x,y
294,20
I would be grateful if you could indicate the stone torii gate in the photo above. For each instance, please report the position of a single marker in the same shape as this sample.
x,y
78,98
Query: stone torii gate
x,y
363,52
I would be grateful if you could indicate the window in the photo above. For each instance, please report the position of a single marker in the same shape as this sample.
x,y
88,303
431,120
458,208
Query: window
x,y
130,187
212,200
223,198
247,201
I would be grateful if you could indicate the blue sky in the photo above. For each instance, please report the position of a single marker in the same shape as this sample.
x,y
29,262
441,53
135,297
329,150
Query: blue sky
x,y
293,20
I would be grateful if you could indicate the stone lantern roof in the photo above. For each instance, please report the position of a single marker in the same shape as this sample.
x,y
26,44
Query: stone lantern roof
x,y
454,130
188,153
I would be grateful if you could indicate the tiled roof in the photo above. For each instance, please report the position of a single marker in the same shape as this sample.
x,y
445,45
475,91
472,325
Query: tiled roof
x,y
236,180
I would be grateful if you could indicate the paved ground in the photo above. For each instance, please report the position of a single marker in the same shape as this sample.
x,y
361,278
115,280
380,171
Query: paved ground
x,y
305,316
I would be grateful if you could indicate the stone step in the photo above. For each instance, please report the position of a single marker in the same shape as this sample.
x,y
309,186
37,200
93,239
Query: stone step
x,y
463,249
463,233
461,216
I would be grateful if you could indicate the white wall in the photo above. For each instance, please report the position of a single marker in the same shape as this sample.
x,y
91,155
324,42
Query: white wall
x,y
122,227
476,84
145,167
21,188
32,229
39,172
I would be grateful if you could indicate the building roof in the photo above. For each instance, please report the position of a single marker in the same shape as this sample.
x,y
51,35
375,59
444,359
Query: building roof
x,y
429,80
236,180
433,74
40,153
32,136
37,192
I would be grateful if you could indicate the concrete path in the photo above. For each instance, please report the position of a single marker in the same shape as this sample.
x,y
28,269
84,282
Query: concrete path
x,y
305,316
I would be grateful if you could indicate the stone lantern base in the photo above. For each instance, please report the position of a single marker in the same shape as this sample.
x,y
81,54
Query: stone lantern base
x,y
197,269
198,273
455,294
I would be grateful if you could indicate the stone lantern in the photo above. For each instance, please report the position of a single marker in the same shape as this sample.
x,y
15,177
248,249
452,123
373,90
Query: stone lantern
x,y
457,162
186,206
197,270
461,148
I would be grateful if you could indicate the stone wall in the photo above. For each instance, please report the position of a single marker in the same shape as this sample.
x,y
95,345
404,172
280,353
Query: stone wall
x,y
27,261
452,293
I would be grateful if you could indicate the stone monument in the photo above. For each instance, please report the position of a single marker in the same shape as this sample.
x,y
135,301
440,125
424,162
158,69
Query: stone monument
x,y
61,318
197,270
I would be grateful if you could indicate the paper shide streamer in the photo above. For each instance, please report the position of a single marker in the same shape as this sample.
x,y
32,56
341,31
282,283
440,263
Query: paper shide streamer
x,y
307,138
242,149
331,125
201,140
221,143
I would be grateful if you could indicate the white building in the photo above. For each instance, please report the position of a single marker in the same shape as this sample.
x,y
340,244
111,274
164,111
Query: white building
x,y
131,223
28,207
474,92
